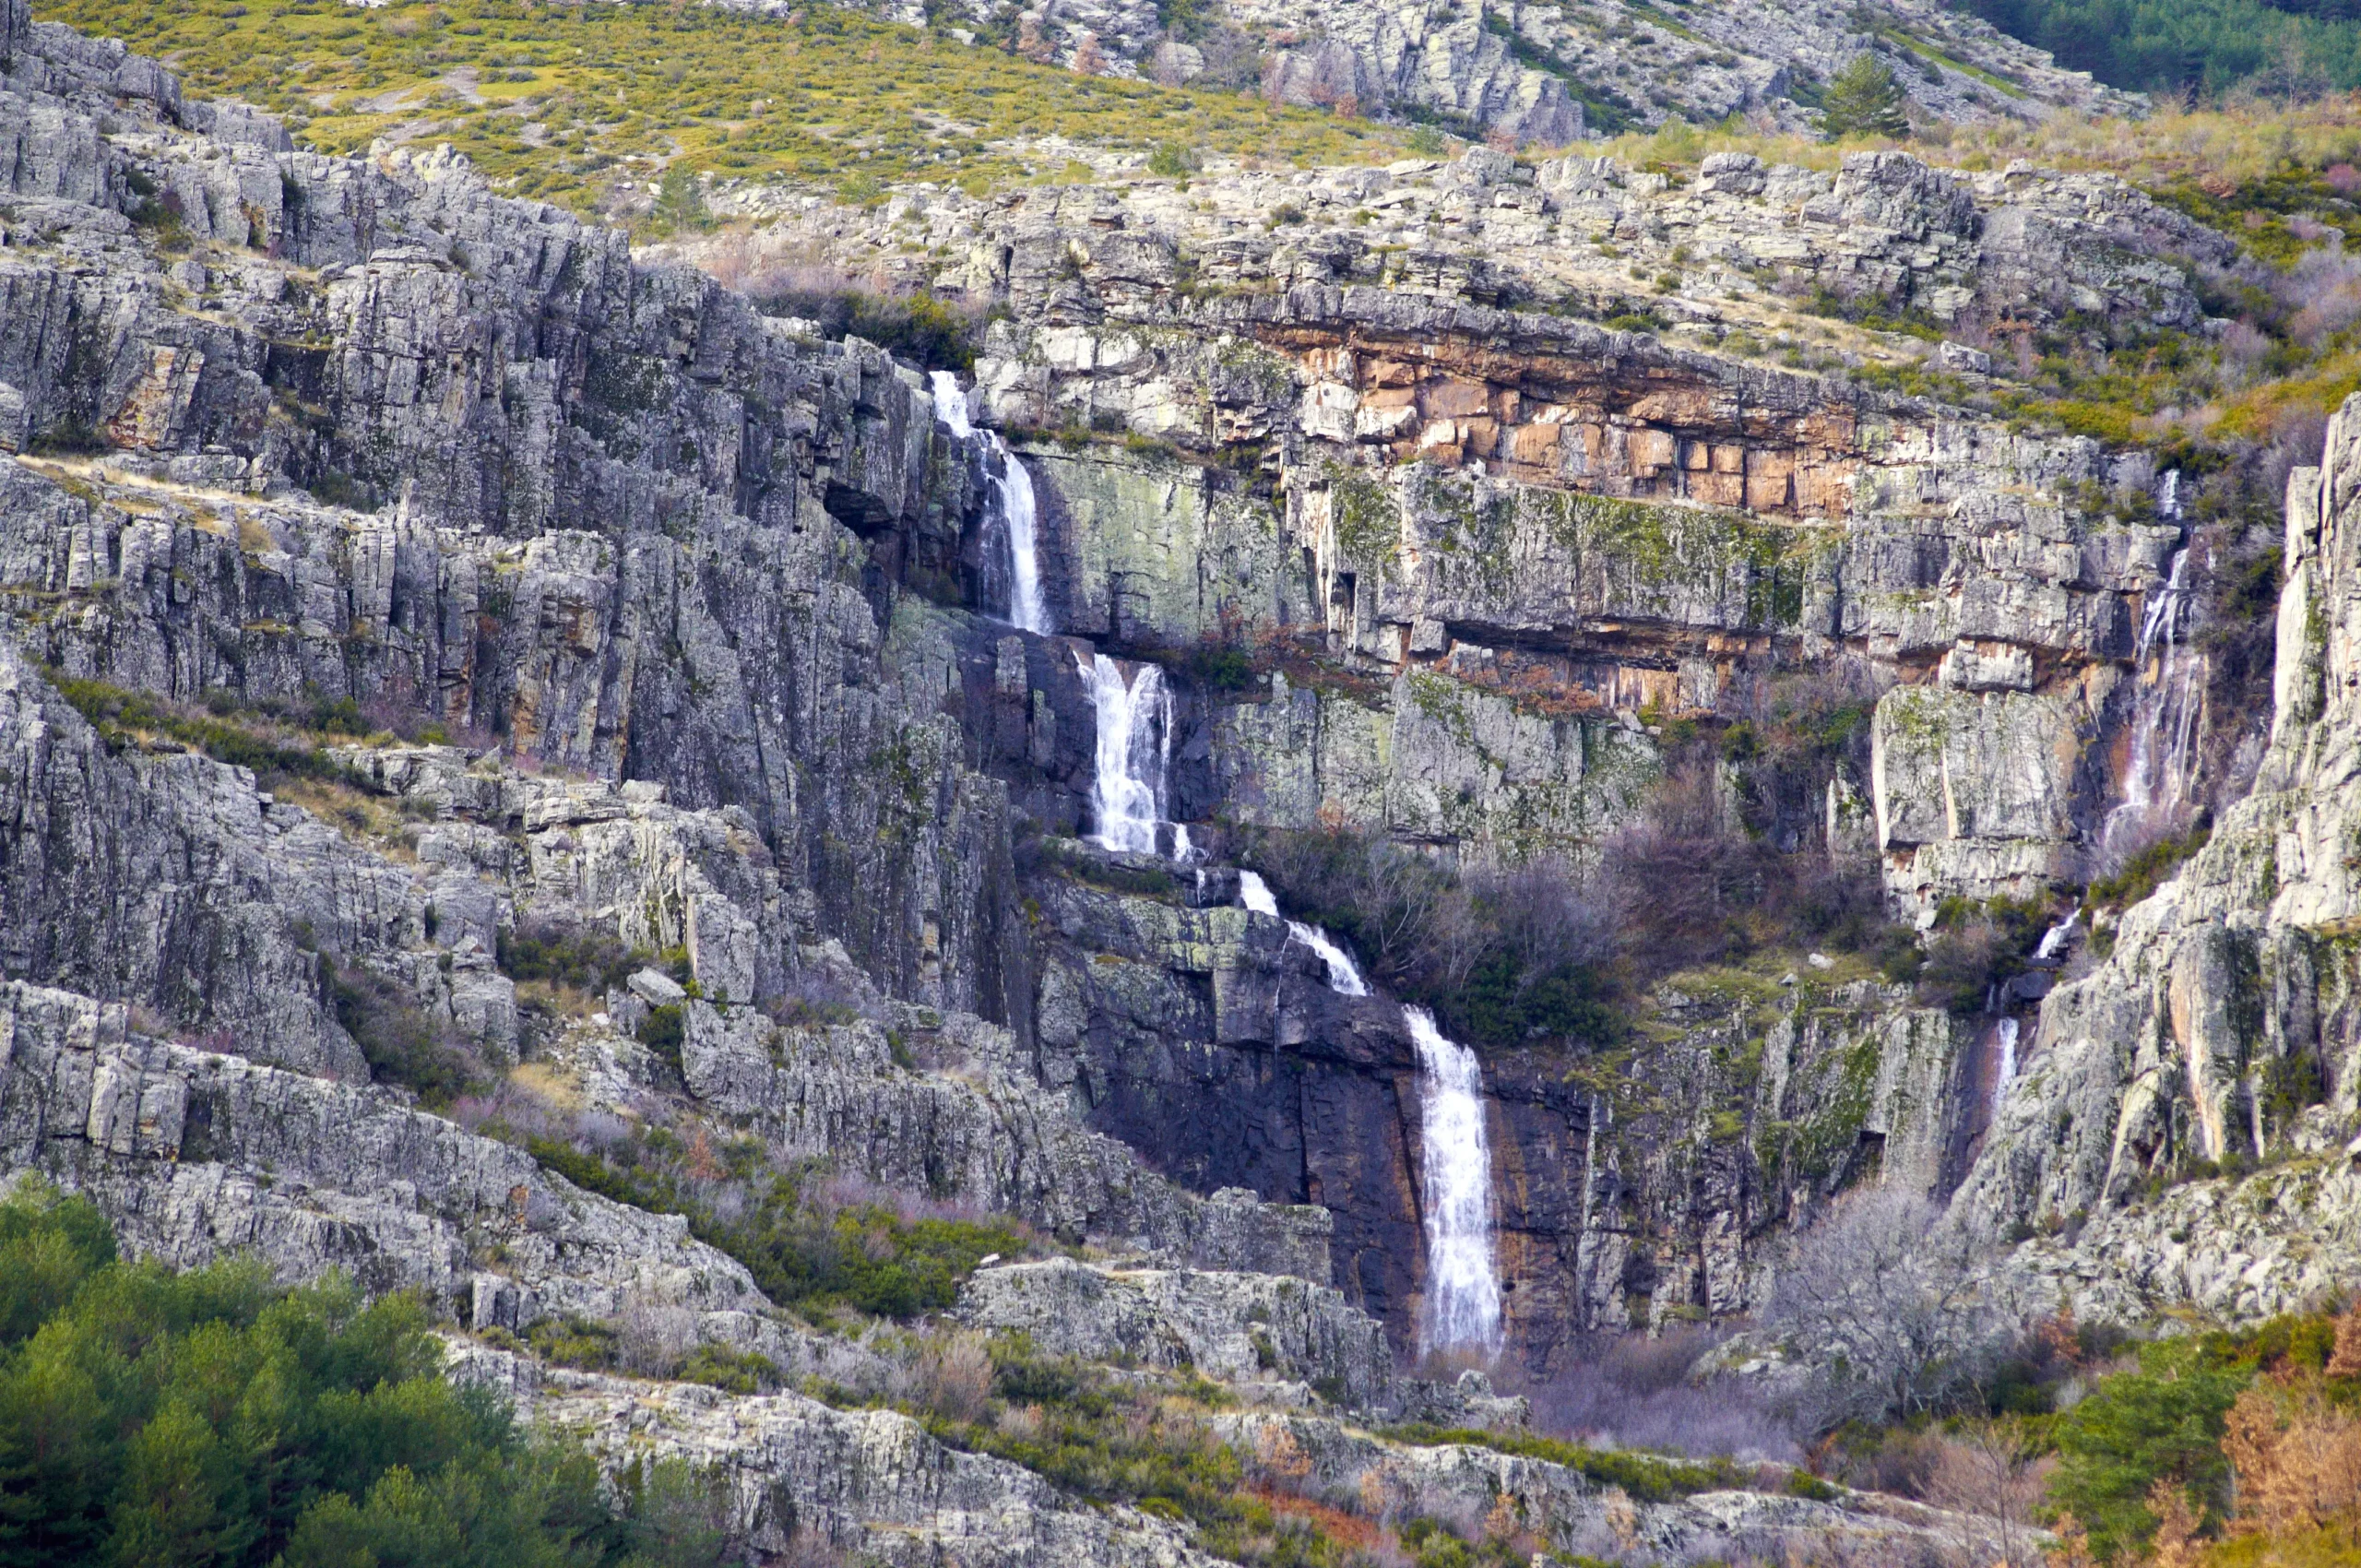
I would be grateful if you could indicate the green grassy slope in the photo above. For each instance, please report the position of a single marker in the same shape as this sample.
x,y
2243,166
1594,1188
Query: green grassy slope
x,y
563,103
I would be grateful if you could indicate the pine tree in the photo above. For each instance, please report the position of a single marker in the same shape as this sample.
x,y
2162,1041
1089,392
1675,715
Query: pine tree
x,y
1863,99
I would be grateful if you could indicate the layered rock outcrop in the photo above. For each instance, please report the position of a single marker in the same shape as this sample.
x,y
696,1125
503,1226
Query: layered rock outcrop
x,y
1524,530
1542,74
370,432
2217,1032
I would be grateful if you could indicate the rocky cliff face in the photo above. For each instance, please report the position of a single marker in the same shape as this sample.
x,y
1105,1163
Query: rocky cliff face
x,y
1519,530
701,602
2217,1035
1540,74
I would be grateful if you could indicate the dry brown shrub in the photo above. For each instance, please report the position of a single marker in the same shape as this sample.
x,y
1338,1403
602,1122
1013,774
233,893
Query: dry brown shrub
x,y
952,1376
2177,1545
2073,1547
1992,1475
1349,1531
2298,1460
1279,1456
2346,1361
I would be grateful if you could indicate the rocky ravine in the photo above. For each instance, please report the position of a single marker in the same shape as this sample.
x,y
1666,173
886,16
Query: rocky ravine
x,y
611,517
2220,1031
701,595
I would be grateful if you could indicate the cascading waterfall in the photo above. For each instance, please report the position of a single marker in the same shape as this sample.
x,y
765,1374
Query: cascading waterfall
x,y
2054,939
1014,514
1127,791
1128,799
1016,483
2008,1032
1455,1154
2164,722
1344,975
1463,1278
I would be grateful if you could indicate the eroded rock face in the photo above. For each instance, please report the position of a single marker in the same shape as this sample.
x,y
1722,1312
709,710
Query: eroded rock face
x,y
980,1134
167,878
866,1481
1575,1515
623,522
1508,72
1211,1043
1238,1328
195,1155
1378,452
463,461
2219,1029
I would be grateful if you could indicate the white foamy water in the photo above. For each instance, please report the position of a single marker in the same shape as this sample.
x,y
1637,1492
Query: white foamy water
x,y
1455,1158
2163,719
951,404
2007,1072
1016,513
1344,975
2054,939
1133,750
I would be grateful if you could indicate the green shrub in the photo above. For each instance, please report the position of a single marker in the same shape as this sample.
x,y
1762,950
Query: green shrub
x,y
563,953
1173,161
1864,100
402,1045
70,438
213,1419
2149,869
118,714
662,1030
2162,1422
918,327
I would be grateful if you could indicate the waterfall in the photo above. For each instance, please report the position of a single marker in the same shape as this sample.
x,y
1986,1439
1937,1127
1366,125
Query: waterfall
x,y
1344,975
2053,941
2008,1063
1454,1155
1014,514
1127,795
1017,498
2164,720
1463,1279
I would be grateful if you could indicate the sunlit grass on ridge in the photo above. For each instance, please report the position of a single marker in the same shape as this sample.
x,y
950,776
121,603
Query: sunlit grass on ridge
x,y
563,102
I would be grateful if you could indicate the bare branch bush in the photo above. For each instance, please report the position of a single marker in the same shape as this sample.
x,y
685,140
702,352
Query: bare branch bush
x,y
1991,1476
1876,1299
1638,1392
950,1374
654,1336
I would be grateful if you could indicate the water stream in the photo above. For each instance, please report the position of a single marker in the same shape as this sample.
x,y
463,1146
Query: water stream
x,y
2008,1032
2053,941
1463,1278
1013,520
1455,1157
1135,752
1129,805
1344,975
2164,720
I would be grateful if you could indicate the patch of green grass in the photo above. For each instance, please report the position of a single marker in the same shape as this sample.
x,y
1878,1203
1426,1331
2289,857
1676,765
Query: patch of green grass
x,y
577,104
801,1252
246,739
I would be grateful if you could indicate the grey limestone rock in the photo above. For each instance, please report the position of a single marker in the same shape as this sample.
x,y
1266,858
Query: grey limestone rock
x,y
1236,1328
